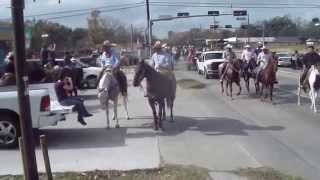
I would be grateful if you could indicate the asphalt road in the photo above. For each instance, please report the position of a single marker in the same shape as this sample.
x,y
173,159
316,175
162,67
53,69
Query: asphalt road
x,y
210,130
223,134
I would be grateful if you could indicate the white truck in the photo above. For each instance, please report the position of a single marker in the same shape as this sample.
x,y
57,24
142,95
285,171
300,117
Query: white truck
x,y
208,63
45,111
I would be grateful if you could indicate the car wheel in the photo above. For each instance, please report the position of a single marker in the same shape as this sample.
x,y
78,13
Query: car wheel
x,y
92,82
9,132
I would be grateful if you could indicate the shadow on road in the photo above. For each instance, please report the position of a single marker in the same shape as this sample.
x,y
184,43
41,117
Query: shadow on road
x,y
101,137
214,126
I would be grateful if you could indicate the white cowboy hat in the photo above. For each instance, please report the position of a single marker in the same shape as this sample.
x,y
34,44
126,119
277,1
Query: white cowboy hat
x,y
228,46
264,47
157,45
73,59
107,43
247,46
165,45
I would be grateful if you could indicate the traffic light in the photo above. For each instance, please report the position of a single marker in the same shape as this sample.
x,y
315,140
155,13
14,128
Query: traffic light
x,y
213,13
228,26
182,14
214,26
315,20
240,13
244,26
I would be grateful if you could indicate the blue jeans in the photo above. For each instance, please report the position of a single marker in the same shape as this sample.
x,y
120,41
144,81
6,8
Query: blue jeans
x,y
77,102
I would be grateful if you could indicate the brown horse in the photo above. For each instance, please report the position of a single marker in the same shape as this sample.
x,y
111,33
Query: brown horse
x,y
267,79
231,75
160,88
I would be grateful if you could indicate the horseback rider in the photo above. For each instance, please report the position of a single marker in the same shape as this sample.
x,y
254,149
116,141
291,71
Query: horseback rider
x,y
259,48
309,59
247,56
228,55
264,58
108,57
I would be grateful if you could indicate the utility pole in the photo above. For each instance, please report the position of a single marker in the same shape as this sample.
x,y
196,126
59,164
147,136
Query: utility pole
x,y
263,33
131,45
17,7
149,25
247,30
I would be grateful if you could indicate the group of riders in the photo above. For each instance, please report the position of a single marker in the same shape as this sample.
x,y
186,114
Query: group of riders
x,y
256,60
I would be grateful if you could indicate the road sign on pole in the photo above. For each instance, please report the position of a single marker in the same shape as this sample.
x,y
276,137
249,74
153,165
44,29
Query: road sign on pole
x,y
213,13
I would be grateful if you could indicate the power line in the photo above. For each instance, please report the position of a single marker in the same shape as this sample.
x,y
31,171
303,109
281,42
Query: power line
x,y
104,11
233,6
225,3
80,10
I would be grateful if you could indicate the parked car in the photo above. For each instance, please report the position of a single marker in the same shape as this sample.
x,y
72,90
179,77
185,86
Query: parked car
x,y
208,63
284,59
90,74
45,111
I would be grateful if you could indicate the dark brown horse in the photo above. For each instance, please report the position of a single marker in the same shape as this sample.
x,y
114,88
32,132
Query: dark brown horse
x,y
159,89
267,79
248,72
231,75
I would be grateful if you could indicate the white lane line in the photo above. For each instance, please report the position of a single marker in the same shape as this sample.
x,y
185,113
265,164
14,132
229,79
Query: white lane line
x,y
245,151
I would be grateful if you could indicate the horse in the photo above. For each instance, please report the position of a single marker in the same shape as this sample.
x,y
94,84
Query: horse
x,y
110,88
231,75
159,89
248,72
314,86
267,79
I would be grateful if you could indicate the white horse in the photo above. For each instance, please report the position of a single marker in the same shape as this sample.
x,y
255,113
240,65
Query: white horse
x,y
109,89
314,84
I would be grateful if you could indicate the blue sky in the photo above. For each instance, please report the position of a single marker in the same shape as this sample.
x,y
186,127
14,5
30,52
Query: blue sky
x,y
137,16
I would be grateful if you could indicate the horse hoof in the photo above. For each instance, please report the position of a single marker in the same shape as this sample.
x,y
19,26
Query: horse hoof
x,y
238,94
128,118
108,128
171,121
117,126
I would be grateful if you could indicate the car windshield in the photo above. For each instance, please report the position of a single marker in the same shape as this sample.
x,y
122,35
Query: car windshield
x,y
283,55
213,56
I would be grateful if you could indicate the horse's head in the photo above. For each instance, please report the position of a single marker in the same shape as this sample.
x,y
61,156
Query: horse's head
x,y
106,79
236,63
140,73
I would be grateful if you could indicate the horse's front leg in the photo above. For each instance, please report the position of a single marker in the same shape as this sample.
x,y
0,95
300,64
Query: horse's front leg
x,y
230,84
261,93
161,109
227,88
125,104
239,86
271,92
115,108
154,112
107,114
299,91
222,88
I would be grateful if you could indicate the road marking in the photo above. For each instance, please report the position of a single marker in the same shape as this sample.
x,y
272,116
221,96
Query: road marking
x,y
245,151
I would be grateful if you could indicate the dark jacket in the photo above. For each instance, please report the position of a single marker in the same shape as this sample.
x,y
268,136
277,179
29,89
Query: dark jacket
x,y
310,59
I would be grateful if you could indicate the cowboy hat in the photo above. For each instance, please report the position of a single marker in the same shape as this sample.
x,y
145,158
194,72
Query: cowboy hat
x,y
10,56
107,43
264,47
157,45
228,46
247,46
165,45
